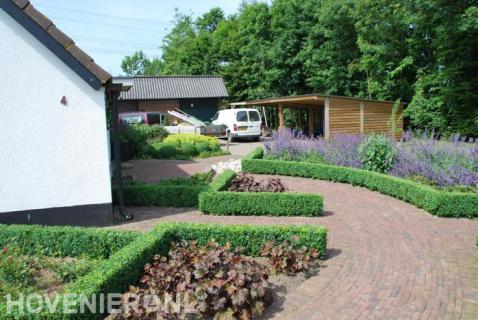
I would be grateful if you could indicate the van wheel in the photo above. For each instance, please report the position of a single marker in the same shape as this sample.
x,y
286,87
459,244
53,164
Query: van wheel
x,y
229,137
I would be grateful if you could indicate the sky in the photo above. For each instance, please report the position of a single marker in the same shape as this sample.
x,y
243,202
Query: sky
x,y
108,30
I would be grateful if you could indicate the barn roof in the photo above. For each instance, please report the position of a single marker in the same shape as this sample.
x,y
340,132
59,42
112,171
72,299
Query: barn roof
x,y
174,87
56,41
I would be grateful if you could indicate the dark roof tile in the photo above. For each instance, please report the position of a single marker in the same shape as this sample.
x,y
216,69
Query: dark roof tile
x,y
59,36
79,55
37,16
21,3
175,87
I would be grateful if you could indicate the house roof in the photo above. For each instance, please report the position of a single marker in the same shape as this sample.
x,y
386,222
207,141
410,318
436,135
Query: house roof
x,y
56,41
175,87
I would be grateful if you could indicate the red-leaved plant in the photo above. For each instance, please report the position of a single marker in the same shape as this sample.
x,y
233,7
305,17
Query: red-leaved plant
x,y
214,280
285,258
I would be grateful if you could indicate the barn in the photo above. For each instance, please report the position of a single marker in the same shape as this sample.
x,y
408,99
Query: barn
x,y
327,115
198,96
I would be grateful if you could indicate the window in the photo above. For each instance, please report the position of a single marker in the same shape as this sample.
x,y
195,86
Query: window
x,y
154,118
132,118
241,116
254,116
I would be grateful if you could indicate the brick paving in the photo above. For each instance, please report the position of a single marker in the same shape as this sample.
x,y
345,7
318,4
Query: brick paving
x,y
386,260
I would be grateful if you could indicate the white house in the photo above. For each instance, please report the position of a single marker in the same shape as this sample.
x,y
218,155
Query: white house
x,y
54,158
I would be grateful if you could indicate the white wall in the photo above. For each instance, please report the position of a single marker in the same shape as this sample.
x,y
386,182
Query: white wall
x,y
51,155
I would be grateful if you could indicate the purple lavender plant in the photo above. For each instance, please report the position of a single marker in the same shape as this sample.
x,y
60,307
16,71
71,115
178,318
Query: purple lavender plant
x,y
444,163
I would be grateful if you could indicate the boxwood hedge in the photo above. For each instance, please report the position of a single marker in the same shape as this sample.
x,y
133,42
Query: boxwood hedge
x,y
440,203
217,201
123,267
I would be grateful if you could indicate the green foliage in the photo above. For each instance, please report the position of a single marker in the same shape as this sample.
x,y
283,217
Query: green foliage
x,y
139,64
250,238
64,241
164,150
202,147
193,138
422,52
188,149
141,138
163,194
222,181
222,202
440,203
123,268
376,153
261,203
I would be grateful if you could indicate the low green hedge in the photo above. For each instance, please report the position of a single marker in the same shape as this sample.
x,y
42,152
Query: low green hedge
x,y
222,202
125,266
58,241
440,203
161,195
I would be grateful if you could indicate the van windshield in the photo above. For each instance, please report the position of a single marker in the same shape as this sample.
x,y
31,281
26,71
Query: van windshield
x,y
241,116
254,116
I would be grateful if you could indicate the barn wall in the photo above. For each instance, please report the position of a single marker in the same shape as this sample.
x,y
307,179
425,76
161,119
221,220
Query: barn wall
x,y
161,106
53,155
127,106
203,108
344,116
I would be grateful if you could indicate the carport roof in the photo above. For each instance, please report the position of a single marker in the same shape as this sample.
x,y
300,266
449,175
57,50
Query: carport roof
x,y
299,100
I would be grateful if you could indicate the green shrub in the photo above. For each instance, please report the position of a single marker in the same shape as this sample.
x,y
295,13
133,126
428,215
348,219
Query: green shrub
x,y
156,133
250,238
139,138
179,139
165,150
92,243
261,203
202,147
376,153
220,202
162,195
222,181
441,203
126,264
188,149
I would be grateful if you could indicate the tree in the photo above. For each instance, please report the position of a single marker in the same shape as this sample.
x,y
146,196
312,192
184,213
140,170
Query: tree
x,y
139,64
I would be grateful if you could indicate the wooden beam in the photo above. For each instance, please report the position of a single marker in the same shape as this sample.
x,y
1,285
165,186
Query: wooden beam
x,y
281,117
276,119
311,121
326,119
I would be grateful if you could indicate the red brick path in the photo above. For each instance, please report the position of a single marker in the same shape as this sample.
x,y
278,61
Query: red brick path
x,y
387,259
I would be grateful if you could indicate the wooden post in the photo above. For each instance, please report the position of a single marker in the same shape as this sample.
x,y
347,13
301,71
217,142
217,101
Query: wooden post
x,y
281,117
326,119
362,119
276,119
311,122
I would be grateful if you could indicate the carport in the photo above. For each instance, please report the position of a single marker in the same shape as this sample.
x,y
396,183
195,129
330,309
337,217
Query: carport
x,y
328,115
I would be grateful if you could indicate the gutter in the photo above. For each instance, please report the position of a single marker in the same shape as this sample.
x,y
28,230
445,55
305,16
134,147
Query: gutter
x,y
114,90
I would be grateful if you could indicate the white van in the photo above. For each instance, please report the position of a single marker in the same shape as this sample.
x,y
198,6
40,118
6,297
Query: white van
x,y
240,123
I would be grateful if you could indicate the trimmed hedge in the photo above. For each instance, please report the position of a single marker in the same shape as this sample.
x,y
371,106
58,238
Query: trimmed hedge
x,y
124,267
249,237
59,241
222,202
162,195
440,203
